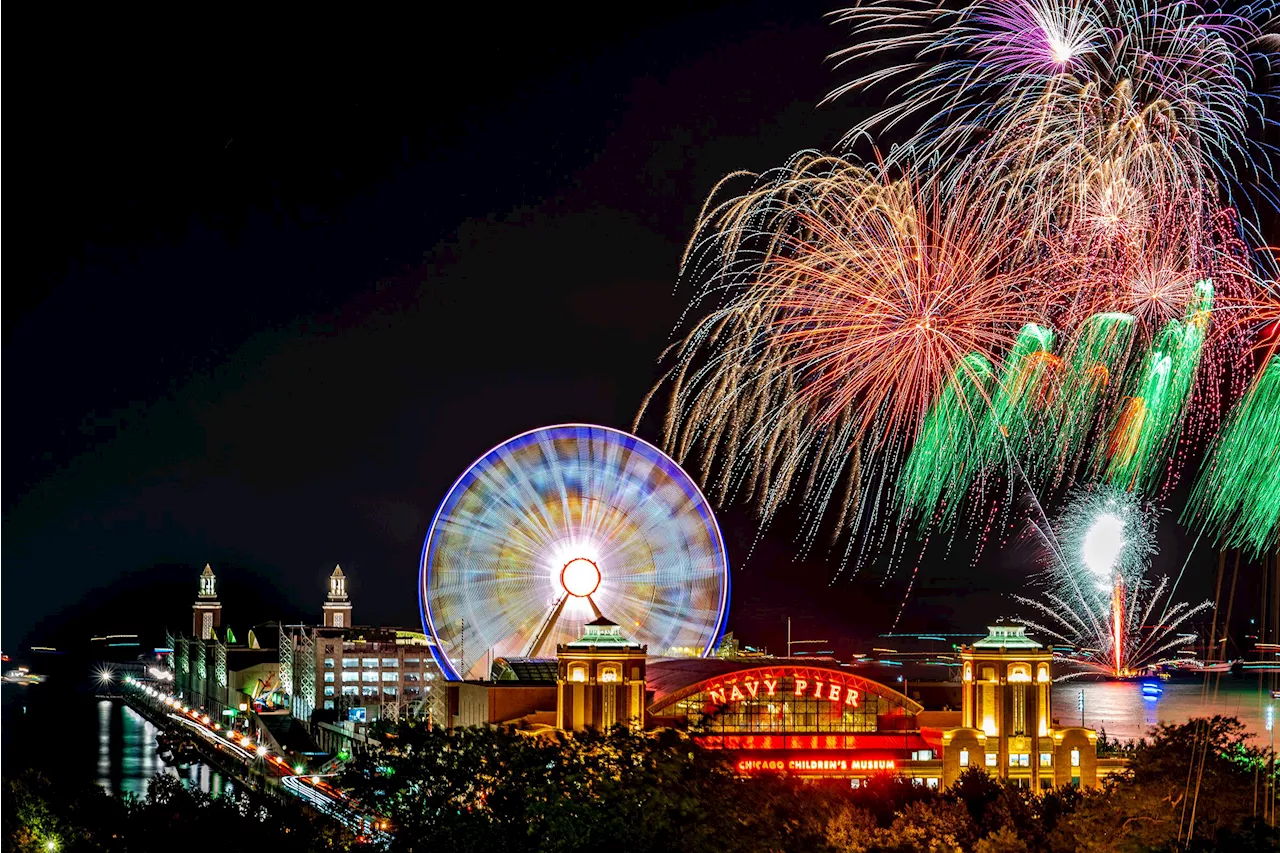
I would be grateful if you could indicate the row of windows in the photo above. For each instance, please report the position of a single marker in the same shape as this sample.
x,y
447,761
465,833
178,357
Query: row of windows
x,y
930,782
1019,759
785,712
373,691
372,676
387,663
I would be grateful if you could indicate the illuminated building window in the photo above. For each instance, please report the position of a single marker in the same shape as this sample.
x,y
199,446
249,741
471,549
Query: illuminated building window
x,y
328,676
922,755
411,661
328,663
368,691
368,662
577,672
390,676
328,691
350,676
968,672
388,691
762,707
350,663
389,663
1043,675
1046,759
992,758
610,673
328,704
1075,758
964,758
987,694
1020,759
931,783
988,673
855,783
413,691
413,676
351,691
1019,673
369,676
1020,706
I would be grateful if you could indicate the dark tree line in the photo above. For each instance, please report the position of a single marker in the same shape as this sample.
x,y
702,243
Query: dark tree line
x,y
41,815
500,791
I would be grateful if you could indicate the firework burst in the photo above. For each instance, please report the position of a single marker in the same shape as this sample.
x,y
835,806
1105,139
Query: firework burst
x,y
1097,596
846,304
1045,286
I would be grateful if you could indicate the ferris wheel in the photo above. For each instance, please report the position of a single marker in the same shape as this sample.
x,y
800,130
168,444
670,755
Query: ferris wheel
x,y
562,525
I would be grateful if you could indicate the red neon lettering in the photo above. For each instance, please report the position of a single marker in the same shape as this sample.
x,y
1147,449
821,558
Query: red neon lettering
x,y
801,684
736,695
752,687
716,695
770,685
851,697
834,693
817,692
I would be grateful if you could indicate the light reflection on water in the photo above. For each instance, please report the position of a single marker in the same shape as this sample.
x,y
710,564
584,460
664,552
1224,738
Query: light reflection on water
x,y
127,758
1120,708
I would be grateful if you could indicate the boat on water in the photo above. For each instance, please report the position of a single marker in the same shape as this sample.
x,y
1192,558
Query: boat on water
x,y
22,675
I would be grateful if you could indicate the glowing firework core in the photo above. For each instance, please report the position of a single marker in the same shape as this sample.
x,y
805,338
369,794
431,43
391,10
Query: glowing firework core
x,y
580,577
1062,51
1103,544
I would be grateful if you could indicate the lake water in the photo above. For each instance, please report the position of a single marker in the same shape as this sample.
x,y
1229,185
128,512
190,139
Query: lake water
x,y
127,758
63,732
1122,710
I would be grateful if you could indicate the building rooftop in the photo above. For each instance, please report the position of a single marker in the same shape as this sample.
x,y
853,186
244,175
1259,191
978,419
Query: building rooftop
x,y
525,670
602,633
1006,637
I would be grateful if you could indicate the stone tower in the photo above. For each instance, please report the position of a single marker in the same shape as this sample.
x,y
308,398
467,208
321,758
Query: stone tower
x,y
206,613
600,680
337,609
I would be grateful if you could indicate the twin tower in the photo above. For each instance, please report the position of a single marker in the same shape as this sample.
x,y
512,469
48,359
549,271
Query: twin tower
x,y
206,612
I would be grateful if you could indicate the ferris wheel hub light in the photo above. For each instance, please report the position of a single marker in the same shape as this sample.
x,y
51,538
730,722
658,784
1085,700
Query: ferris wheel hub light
x,y
580,577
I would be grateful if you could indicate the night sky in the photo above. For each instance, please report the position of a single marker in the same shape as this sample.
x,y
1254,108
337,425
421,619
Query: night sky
x,y
273,283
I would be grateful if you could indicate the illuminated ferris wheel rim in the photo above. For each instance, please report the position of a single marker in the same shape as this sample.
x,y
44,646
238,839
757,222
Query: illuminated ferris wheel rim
x,y
656,453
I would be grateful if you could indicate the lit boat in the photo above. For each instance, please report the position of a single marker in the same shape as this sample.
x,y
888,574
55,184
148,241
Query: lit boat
x,y
1152,690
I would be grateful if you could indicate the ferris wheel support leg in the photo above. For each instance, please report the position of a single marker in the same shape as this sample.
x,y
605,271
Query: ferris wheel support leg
x,y
547,626
592,602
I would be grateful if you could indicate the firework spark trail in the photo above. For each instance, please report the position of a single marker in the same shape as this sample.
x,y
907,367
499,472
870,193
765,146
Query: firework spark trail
x,y
845,304
1237,497
1097,596
1147,426
873,340
981,66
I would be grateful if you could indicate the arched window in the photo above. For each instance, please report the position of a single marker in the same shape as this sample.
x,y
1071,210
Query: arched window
x,y
1043,674
988,673
610,673
968,672
577,672
1019,673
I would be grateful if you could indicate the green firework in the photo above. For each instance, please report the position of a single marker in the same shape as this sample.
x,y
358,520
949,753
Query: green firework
x,y
945,457
1094,366
1147,427
1237,497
